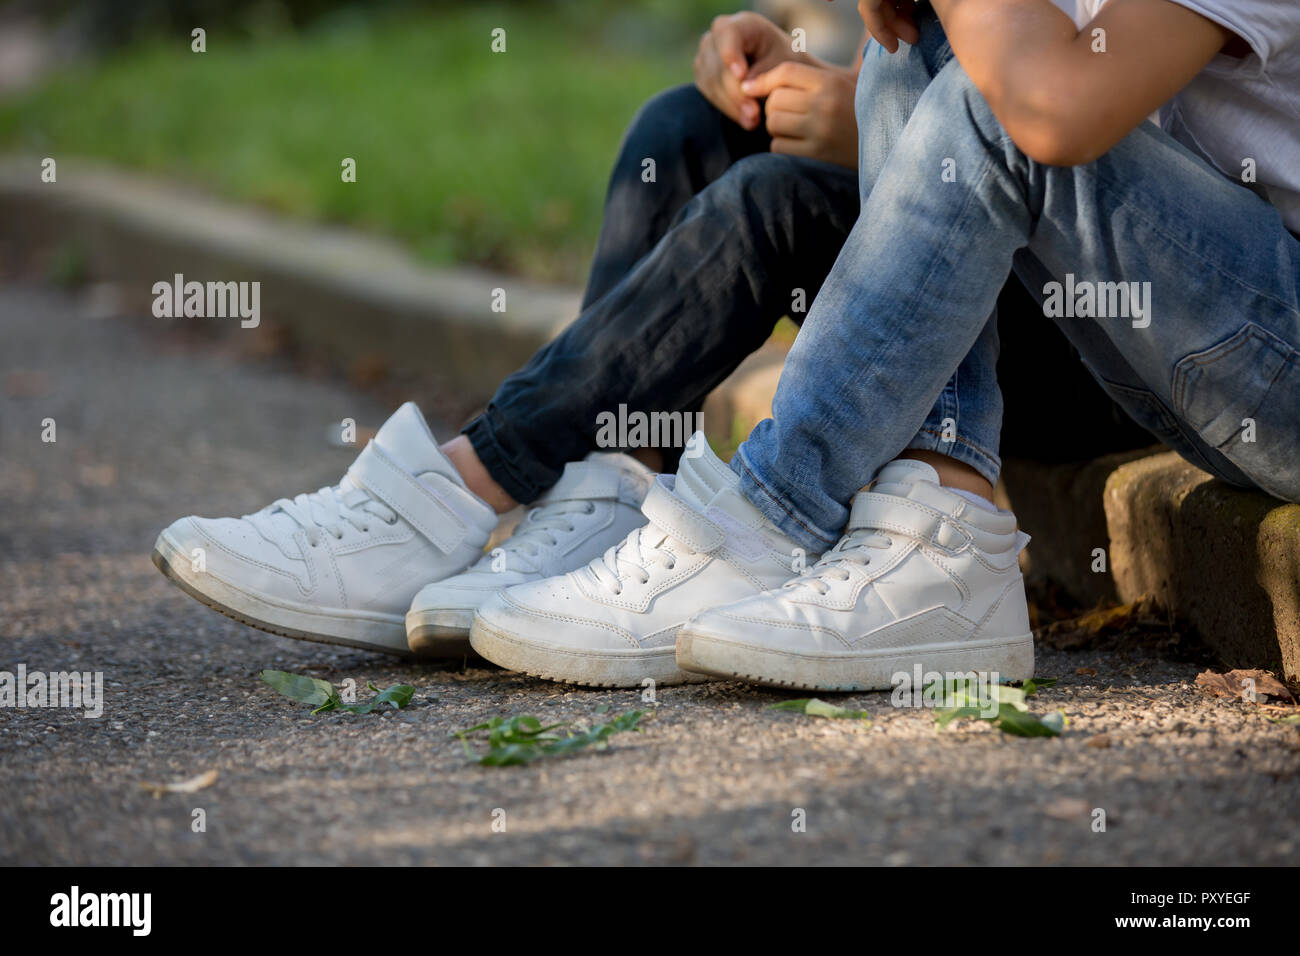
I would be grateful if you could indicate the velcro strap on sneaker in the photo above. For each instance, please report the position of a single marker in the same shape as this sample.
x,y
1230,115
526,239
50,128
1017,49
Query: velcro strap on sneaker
x,y
421,506
680,520
890,513
583,480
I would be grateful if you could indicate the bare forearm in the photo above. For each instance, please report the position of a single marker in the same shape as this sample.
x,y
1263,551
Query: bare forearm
x,y
1064,95
1025,57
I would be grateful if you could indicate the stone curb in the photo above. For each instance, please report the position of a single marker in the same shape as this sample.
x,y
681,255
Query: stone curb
x,y
1224,560
345,292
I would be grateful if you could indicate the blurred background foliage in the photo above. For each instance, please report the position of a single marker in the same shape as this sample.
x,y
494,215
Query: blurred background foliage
x,y
468,156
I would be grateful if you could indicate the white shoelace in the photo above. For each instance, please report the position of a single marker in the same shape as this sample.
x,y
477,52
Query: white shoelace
x,y
543,525
632,558
852,549
326,509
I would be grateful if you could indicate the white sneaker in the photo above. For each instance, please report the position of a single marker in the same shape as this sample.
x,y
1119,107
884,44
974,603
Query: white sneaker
x,y
614,622
922,577
593,506
339,565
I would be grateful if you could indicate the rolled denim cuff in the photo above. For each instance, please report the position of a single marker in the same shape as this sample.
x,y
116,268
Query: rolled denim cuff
x,y
507,459
780,509
960,449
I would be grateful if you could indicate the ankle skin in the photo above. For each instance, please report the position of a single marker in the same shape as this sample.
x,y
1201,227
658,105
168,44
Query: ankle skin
x,y
461,453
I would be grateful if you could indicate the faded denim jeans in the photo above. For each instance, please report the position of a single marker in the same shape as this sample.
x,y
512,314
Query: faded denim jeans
x,y
899,351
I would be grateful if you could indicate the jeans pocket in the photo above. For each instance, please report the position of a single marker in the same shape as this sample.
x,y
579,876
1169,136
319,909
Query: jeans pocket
x,y
1151,413
1242,397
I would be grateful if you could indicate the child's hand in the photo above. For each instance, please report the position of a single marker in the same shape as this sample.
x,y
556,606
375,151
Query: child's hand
x,y
809,111
890,21
743,44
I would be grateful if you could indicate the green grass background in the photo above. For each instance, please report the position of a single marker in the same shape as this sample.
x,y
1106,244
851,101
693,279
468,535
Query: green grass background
x,y
466,155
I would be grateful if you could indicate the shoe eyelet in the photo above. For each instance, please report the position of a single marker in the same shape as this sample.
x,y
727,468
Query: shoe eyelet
x,y
590,509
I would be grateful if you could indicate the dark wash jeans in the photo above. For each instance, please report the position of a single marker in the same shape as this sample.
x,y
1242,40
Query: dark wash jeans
x,y
690,275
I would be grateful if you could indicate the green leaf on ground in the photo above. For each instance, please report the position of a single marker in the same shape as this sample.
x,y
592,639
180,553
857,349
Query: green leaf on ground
x,y
812,707
1055,721
946,717
970,692
1012,715
518,740
397,696
305,690
323,697
1032,686
1020,723
1013,697
1292,719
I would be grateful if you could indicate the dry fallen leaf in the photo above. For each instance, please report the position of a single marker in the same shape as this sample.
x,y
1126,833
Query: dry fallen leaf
x,y
192,785
25,383
1099,742
1067,808
368,371
102,475
1234,684
1102,627
1086,671
1281,710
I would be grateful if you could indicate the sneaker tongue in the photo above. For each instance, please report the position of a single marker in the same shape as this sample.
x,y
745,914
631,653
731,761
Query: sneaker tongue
x,y
407,438
899,475
620,460
600,475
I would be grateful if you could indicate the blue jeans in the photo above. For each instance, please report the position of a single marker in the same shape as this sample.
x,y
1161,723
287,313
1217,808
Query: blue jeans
x,y
899,351
691,273
689,276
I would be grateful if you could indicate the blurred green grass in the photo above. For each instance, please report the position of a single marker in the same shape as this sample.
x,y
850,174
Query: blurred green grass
x,y
466,155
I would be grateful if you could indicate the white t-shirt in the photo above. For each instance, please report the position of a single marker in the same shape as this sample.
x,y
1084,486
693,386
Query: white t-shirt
x,y
1242,114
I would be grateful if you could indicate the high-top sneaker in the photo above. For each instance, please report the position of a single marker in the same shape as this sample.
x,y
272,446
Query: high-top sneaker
x,y
593,506
921,577
339,565
614,622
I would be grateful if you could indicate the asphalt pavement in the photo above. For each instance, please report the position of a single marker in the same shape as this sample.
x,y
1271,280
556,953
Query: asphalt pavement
x,y
153,421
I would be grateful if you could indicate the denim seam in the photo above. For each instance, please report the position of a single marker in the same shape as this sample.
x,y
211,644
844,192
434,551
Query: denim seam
x,y
1181,400
1288,358
1168,420
967,452
857,381
927,281
959,440
951,404
780,504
